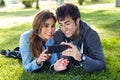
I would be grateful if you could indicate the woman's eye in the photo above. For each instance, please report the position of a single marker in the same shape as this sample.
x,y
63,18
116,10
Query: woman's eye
x,y
53,26
46,25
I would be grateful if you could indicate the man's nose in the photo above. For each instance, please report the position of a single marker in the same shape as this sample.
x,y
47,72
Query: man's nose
x,y
64,27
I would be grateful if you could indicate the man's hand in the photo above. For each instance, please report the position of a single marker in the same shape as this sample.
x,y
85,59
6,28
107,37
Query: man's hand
x,y
72,51
61,65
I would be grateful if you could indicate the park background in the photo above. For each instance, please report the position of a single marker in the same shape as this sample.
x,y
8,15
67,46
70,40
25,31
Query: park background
x,y
102,15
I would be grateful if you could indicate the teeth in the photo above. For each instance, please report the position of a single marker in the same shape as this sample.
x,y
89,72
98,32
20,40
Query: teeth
x,y
67,32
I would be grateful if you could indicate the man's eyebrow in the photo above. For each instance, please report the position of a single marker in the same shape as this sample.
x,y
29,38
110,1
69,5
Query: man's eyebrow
x,y
64,22
67,21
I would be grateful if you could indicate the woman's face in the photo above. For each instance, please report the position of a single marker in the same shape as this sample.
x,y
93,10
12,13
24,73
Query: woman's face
x,y
48,29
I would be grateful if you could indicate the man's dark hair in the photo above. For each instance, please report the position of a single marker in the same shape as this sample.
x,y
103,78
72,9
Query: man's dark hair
x,y
67,9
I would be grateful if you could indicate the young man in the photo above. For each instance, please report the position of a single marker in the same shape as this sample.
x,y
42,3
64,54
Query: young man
x,y
85,46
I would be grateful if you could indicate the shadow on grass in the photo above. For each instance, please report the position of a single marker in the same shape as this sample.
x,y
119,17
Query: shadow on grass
x,y
102,19
113,27
102,15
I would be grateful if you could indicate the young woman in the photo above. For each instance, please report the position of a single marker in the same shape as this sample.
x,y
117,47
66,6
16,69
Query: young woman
x,y
32,42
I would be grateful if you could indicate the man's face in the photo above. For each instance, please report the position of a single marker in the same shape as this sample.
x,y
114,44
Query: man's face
x,y
68,27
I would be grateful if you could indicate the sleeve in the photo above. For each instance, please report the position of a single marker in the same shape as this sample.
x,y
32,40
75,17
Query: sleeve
x,y
94,55
29,64
54,56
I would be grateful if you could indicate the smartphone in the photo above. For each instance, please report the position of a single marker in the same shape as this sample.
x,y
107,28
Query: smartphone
x,y
57,48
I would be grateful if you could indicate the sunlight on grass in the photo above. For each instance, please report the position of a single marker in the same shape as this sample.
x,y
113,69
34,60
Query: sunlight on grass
x,y
10,22
16,17
100,6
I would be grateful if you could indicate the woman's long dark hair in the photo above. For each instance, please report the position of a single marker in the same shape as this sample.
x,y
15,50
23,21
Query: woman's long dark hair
x,y
36,42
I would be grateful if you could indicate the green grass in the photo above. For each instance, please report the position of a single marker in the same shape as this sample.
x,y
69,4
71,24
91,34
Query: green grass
x,y
105,21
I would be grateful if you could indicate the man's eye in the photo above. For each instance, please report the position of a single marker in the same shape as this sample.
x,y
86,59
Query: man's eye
x,y
68,24
60,25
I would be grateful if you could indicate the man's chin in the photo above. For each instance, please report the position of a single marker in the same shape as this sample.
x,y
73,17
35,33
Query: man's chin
x,y
68,36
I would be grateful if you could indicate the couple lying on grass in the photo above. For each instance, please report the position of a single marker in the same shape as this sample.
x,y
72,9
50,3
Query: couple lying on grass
x,y
84,43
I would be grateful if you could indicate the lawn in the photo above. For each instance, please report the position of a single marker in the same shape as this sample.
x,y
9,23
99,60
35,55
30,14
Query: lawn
x,y
106,21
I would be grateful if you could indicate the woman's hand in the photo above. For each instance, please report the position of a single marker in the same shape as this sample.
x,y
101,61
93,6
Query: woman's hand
x,y
61,65
43,57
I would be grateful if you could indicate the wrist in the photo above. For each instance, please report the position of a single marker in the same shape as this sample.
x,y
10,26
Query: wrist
x,y
79,57
82,58
38,63
54,68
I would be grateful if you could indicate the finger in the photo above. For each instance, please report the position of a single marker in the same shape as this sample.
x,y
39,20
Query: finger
x,y
60,60
42,55
66,53
45,55
43,59
66,61
49,55
71,45
44,51
63,43
65,64
69,50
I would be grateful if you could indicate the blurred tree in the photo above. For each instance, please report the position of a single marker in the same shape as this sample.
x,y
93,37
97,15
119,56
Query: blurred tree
x,y
80,2
94,0
60,2
37,4
117,3
28,3
2,3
